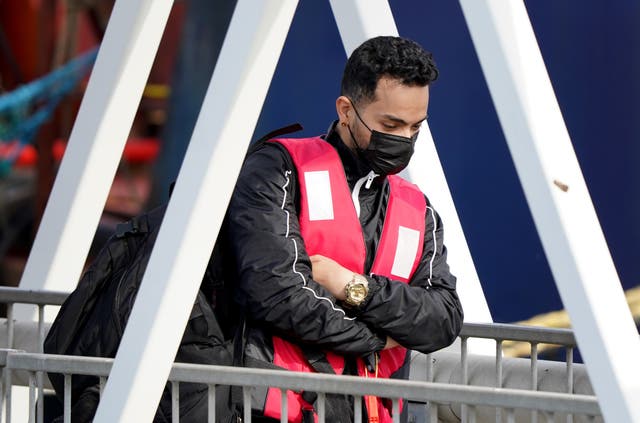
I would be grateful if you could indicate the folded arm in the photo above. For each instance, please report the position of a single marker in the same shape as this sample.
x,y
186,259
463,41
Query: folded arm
x,y
276,287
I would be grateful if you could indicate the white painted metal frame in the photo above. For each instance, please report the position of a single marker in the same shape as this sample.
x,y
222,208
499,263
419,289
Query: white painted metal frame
x,y
530,116
226,122
559,201
359,20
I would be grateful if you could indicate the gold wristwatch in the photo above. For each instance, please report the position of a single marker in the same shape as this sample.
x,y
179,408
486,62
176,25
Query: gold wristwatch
x,y
356,290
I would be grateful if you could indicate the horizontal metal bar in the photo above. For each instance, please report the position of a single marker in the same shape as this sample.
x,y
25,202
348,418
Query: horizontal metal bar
x,y
76,365
28,296
509,332
473,330
3,355
351,385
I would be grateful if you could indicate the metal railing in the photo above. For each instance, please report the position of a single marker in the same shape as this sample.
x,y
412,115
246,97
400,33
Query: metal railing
x,y
496,401
10,297
503,334
248,379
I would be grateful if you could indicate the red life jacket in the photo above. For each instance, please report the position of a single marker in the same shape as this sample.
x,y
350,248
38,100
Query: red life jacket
x,y
330,226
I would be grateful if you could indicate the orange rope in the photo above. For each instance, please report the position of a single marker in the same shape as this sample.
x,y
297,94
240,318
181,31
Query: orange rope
x,y
372,401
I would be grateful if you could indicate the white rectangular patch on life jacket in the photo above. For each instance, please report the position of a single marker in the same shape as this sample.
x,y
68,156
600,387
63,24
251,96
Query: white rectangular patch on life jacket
x,y
319,199
406,250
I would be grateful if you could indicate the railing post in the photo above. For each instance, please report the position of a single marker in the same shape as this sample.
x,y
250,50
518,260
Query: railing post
x,y
534,376
211,402
67,398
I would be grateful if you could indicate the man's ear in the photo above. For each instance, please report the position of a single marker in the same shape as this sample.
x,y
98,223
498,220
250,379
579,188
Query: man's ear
x,y
343,109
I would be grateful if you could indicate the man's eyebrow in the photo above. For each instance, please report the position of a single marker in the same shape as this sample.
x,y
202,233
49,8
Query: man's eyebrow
x,y
401,121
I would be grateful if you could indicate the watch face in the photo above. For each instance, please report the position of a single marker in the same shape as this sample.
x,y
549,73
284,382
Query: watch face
x,y
358,292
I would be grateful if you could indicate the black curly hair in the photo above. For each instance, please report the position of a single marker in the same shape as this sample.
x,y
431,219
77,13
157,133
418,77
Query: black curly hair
x,y
395,57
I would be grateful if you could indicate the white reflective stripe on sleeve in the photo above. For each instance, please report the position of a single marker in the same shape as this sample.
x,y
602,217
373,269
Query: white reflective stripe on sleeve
x,y
319,199
406,249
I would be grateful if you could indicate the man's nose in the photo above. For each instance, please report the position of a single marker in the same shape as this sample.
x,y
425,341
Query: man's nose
x,y
407,132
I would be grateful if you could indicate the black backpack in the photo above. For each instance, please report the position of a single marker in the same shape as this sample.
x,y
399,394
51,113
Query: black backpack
x,y
92,319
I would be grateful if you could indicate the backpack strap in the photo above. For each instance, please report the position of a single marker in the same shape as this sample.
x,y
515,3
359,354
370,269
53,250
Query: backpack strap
x,y
289,129
253,147
213,327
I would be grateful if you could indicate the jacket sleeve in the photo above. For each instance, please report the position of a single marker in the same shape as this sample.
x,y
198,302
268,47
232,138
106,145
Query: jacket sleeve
x,y
274,271
425,314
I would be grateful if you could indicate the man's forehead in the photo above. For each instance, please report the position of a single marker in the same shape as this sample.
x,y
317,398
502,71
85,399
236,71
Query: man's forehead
x,y
402,101
388,82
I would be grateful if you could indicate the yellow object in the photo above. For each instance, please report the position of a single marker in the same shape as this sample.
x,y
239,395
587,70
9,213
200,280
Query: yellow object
x,y
156,91
560,319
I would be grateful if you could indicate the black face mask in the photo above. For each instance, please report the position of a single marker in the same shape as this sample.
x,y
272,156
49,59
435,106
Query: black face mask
x,y
386,154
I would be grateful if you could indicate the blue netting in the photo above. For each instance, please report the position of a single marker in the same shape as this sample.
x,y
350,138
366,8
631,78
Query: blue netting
x,y
25,109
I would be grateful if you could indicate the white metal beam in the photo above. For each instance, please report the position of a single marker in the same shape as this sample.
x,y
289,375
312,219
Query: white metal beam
x,y
95,145
227,119
559,201
359,20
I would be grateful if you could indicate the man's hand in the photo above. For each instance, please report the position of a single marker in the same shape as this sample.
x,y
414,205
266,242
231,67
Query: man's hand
x,y
331,275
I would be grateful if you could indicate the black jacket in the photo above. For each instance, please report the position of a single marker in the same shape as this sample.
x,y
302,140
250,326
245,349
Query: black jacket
x,y
263,234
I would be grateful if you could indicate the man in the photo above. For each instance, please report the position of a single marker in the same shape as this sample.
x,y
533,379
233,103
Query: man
x,y
340,264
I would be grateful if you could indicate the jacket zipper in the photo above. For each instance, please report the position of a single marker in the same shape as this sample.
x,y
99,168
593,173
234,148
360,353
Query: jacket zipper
x,y
355,194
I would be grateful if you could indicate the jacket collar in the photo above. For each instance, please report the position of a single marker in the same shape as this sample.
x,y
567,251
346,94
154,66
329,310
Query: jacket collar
x,y
354,167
